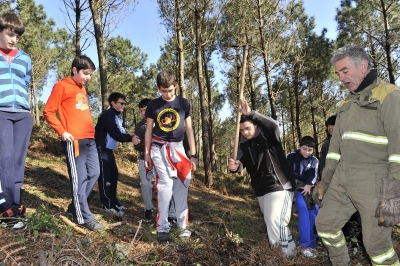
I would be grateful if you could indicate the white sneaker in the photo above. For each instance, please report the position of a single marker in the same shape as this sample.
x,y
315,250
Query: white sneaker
x,y
308,253
121,208
114,211
185,233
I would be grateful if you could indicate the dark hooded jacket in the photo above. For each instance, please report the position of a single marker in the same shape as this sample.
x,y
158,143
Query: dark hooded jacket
x,y
264,158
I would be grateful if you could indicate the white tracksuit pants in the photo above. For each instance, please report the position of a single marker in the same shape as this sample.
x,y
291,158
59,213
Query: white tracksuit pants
x,y
168,186
276,208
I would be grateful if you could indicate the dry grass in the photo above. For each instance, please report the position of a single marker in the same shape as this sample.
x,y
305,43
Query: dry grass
x,y
228,207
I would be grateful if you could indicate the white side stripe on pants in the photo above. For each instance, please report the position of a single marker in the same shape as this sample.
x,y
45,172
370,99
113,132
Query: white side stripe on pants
x,y
74,181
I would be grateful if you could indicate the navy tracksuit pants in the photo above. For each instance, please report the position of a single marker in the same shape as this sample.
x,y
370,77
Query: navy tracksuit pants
x,y
108,179
15,132
83,173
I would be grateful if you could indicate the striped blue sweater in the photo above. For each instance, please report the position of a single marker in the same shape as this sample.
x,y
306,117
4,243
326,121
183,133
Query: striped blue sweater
x,y
14,83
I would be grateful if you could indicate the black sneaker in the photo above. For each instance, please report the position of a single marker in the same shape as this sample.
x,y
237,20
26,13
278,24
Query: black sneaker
x,y
172,221
163,237
148,214
93,225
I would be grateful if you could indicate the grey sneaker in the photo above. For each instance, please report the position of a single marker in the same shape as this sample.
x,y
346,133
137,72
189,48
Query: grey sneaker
x,y
114,211
93,225
163,237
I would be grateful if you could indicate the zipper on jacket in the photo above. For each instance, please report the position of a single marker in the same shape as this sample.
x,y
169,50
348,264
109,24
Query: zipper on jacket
x,y
273,166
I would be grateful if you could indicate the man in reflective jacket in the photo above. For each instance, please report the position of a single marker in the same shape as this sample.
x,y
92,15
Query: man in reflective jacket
x,y
364,150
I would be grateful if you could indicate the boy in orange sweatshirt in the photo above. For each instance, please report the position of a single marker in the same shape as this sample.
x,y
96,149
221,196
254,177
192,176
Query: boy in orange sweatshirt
x,y
75,126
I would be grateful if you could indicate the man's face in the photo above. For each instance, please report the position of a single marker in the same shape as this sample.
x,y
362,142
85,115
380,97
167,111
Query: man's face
x,y
83,76
167,94
8,39
350,74
119,105
330,129
248,129
143,111
306,151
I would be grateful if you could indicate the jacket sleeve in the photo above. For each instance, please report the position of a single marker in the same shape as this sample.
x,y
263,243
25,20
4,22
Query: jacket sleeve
x,y
391,125
51,107
290,159
270,126
323,153
312,173
333,156
140,129
112,129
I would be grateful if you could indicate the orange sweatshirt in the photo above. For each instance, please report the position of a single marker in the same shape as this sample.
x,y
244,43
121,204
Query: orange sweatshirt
x,y
71,102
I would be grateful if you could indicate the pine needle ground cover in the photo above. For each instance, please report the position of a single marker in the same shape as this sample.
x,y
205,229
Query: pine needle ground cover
x,y
226,223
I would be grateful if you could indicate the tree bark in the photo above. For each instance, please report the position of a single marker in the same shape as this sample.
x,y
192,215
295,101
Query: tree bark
x,y
101,50
203,97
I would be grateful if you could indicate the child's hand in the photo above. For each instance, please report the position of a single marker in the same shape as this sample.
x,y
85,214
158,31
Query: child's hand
x,y
306,190
233,165
193,163
147,161
245,107
67,137
135,140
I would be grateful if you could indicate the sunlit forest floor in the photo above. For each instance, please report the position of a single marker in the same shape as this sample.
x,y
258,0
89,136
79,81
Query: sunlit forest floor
x,y
227,225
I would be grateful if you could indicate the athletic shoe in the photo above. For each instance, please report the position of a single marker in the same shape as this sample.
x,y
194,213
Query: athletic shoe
x,y
121,208
185,233
114,211
163,237
12,219
93,225
307,252
148,214
16,223
172,221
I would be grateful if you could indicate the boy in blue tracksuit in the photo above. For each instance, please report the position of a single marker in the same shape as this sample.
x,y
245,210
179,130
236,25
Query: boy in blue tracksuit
x,y
305,167
15,119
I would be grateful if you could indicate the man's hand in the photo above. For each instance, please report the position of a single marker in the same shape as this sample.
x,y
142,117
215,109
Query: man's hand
x,y
319,192
388,209
233,165
67,137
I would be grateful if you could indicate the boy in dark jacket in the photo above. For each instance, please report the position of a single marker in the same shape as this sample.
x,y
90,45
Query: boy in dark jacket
x,y
261,152
146,186
109,132
305,167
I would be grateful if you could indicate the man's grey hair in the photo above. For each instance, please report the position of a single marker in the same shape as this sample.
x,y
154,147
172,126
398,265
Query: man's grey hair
x,y
355,53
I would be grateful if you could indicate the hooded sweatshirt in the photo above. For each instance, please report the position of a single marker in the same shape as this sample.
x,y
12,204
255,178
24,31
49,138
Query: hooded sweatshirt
x,y
71,102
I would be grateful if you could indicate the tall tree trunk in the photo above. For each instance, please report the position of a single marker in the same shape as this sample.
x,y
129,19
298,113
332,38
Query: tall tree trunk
x,y
179,44
291,112
203,98
252,86
77,28
101,50
387,44
264,51
210,114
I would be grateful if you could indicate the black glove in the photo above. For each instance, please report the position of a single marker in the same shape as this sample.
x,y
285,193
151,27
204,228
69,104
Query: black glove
x,y
388,209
